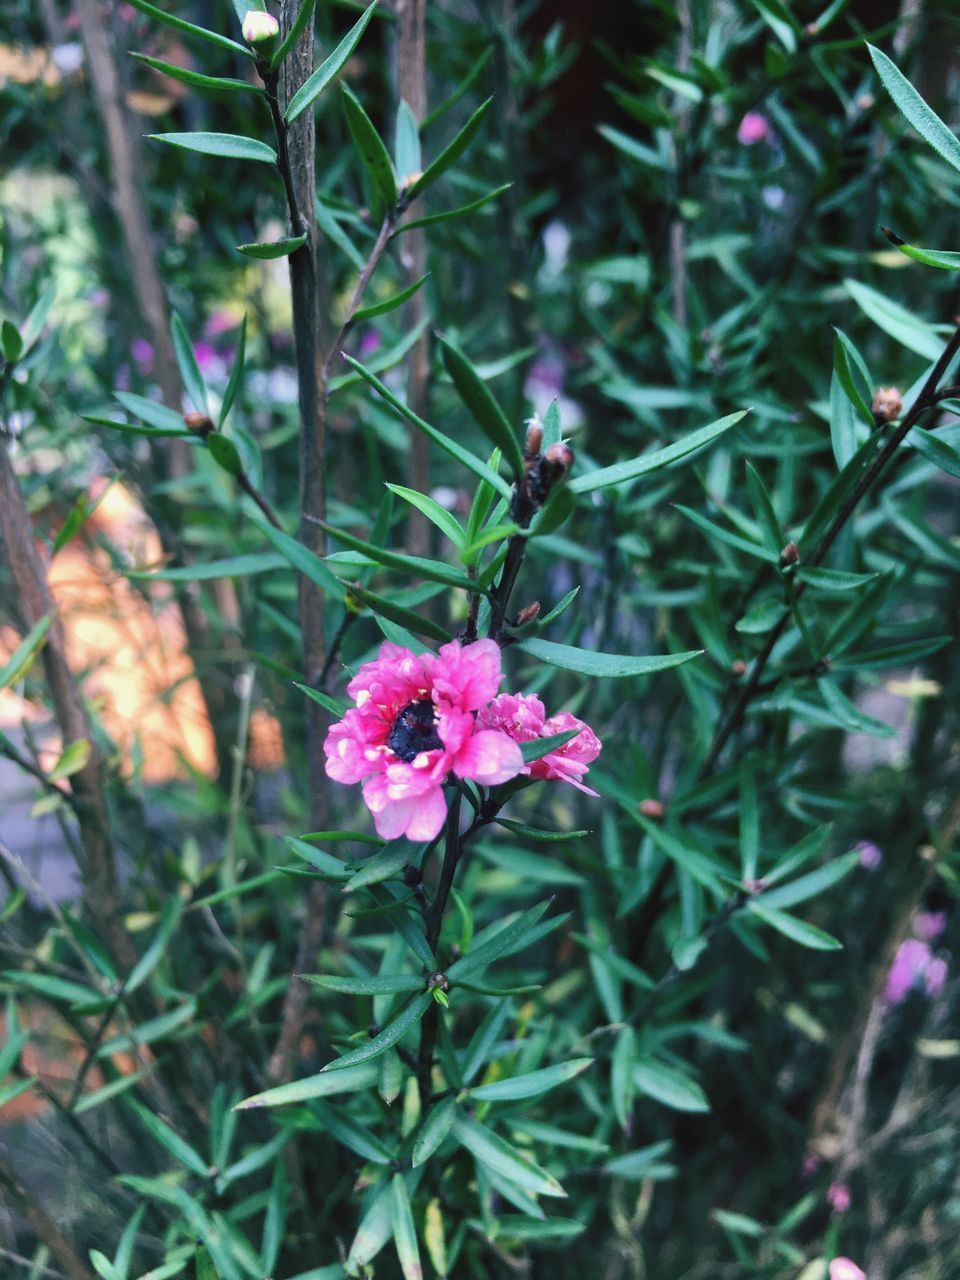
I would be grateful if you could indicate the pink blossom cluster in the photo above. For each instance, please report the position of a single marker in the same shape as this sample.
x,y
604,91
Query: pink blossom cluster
x,y
419,718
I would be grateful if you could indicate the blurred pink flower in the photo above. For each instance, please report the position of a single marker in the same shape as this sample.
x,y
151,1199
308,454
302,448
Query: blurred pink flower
x,y
206,355
370,342
220,321
811,1163
412,725
871,855
524,718
846,1269
142,352
915,966
838,1197
754,128
928,925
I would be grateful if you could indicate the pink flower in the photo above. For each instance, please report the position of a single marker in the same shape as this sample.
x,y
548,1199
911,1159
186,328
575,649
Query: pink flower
x,y
754,128
915,966
871,856
845,1269
143,354
838,1197
928,925
413,724
205,354
523,717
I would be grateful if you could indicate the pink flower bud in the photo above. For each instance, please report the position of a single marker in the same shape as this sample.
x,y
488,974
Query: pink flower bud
x,y
838,1197
846,1269
259,27
754,128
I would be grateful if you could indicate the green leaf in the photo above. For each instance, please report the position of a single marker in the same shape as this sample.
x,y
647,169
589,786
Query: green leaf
x,y
388,304
807,935
445,520
375,985
53,988
134,429
538,833
406,151
539,747
79,514
808,886
532,1084
204,1264
333,705
374,1231
469,460
199,81
404,1232
527,866
386,864
15,1088
19,662
904,327
434,1130
601,665
352,1134
508,939
946,260
293,35
274,248
190,28
482,406
157,948
225,453
848,364
72,760
506,1161
835,581
170,1140
415,566
418,623
231,146
637,1164
395,1030
302,558
327,1083
10,341
311,89
621,472
32,327
909,103
372,149
935,450
244,566
451,153
460,211
622,1065
760,618
668,1086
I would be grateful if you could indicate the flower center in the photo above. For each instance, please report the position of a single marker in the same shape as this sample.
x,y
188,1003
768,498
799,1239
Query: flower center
x,y
414,730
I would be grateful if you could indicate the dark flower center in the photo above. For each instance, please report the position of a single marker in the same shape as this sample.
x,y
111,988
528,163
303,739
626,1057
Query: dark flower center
x,y
414,730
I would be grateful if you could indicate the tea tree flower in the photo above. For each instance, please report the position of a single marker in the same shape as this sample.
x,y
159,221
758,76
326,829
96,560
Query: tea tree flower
x,y
524,718
414,723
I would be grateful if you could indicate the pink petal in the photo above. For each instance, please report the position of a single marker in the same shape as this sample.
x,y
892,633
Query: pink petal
x,y
467,676
489,757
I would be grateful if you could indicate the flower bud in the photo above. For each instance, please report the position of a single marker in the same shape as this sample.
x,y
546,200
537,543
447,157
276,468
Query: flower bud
x,y
560,456
198,422
738,667
887,404
259,27
531,446
528,613
653,809
789,556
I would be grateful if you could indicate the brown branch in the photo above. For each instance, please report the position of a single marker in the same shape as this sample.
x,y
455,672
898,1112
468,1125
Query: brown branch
x,y
42,1226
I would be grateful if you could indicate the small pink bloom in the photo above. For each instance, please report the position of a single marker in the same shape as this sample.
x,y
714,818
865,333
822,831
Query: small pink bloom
x,y
909,967
142,353
206,355
412,725
871,855
811,1163
754,128
524,718
845,1269
370,342
928,925
838,1197
935,979
219,322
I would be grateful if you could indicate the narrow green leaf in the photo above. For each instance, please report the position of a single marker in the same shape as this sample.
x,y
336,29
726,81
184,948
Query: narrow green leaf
x,y
190,28
445,520
170,1140
935,450
469,460
807,935
904,327
505,940
19,662
395,1030
32,327
415,566
910,104
621,472
482,406
225,453
809,885
460,211
668,1086
418,623
946,260
311,89
375,985
244,566
231,146
388,304
491,1150
539,747
371,147
532,1084
386,864
195,78
622,1066
327,1083
434,1130
406,150
601,665
10,341
193,382
451,153
404,1232
303,560
274,248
